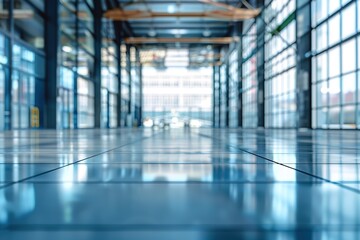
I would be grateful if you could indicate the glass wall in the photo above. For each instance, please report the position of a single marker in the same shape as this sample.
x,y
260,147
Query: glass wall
x,y
23,85
67,66
216,97
223,92
280,61
85,95
177,95
27,73
76,65
109,79
3,76
249,76
233,87
335,80
135,87
85,65
125,85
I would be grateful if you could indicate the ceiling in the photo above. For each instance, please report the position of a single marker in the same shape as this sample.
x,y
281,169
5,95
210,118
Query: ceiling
x,y
175,27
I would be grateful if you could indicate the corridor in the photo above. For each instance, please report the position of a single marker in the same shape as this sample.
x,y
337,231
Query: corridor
x,y
179,184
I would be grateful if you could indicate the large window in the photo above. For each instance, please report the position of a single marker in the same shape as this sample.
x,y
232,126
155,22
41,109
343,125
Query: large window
x,y
280,60
3,77
335,84
85,103
249,76
109,79
76,66
223,92
135,86
216,97
233,88
177,94
125,85
24,74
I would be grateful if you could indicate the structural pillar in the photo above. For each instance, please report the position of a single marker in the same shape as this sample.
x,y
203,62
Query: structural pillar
x,y
141,94
97,63
119,102
128,70
51,48
303,65
227,101
260,61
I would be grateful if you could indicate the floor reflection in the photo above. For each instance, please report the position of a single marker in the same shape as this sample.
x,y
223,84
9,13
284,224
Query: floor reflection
x,y
176,184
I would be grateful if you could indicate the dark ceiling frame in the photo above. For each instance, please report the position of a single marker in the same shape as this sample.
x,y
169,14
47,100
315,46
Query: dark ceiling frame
x,y
122,28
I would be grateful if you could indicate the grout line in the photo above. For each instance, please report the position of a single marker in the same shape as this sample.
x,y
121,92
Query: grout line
x,y
81,160
282,164
184,227
247,182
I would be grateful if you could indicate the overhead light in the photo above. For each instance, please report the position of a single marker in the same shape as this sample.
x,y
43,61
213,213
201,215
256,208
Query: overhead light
x,y
178,31
67,49
171,8
207,33
152,33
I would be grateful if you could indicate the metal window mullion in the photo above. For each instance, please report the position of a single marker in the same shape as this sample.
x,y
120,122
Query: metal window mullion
x,y
357,92
341,70
75,100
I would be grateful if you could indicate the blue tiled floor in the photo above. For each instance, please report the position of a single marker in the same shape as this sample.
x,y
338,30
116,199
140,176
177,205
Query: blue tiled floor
x,y
180,184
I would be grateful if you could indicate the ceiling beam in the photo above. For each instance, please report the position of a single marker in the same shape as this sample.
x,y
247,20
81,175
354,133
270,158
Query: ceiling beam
x,y
220,5
238,15
142,40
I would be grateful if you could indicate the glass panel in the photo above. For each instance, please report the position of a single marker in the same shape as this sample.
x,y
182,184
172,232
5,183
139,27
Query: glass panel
x,y
14,116
321,67
3,49
334,62
25,116
321,36
322,94
334,117
348,21
2,96
349,88
85,63
349,120
334,92
321,10
333,6
334,29
348,58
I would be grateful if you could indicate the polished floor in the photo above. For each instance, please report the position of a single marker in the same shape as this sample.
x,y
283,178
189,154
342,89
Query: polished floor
x,y
180,184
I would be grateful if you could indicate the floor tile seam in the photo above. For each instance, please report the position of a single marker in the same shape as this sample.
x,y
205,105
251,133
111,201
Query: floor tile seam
x,y
318,144
319,182
183,163
279,163
323,145
190,227
73,163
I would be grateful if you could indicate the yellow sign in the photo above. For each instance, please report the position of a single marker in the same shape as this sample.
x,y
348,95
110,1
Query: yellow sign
x,y
35,117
